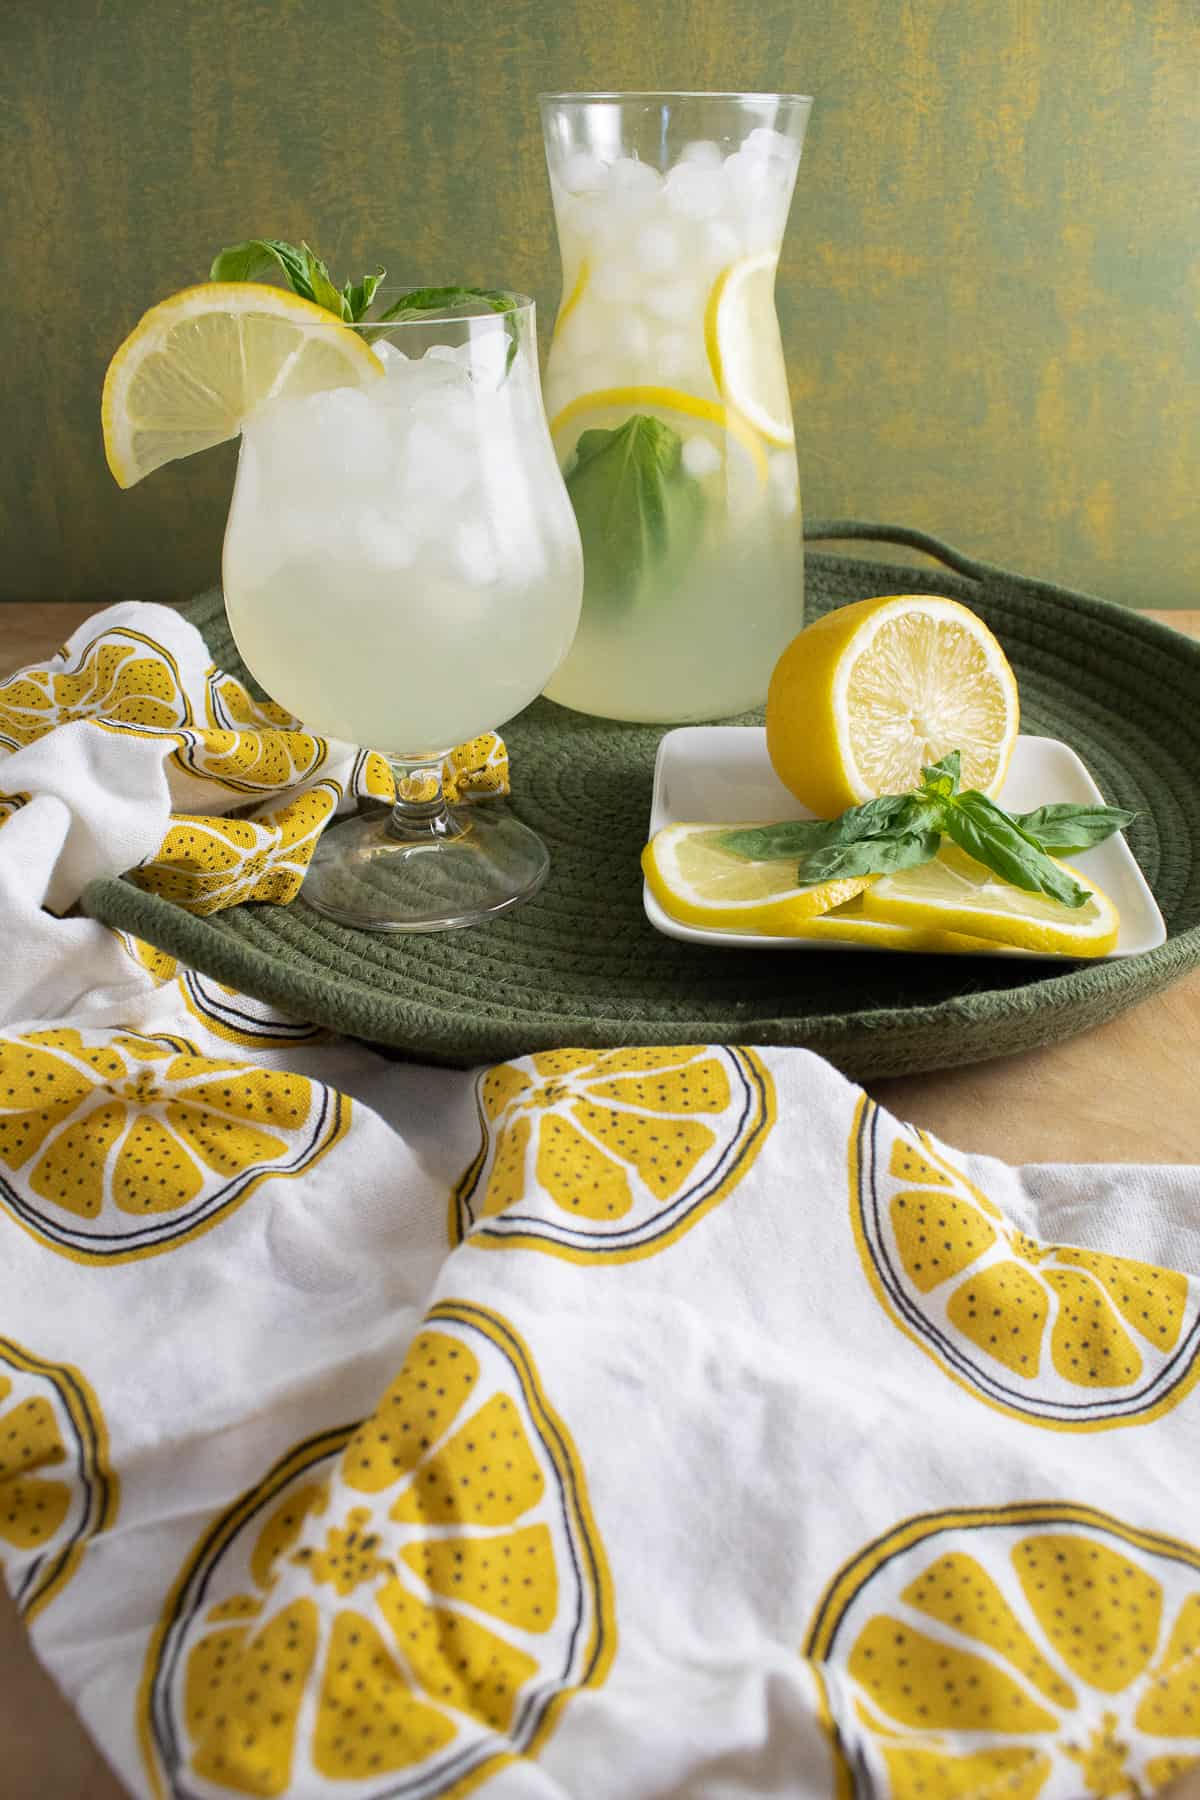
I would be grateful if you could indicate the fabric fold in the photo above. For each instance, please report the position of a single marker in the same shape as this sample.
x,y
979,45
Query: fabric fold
x,y
652,1421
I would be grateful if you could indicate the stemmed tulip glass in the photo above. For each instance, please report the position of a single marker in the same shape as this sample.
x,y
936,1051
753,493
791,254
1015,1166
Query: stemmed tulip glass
x,y
402,570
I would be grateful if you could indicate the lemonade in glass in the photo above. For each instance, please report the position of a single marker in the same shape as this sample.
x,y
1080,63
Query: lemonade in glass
x,y
668,397
402,567
402,570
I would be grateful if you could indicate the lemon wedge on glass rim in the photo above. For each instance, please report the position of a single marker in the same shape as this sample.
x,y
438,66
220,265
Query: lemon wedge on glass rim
x,y
865,697
741,335
698,882
956,893
197,364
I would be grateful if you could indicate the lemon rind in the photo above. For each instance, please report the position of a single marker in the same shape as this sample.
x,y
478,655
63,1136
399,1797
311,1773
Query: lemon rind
x,y
814,687
980,922
765,423
241,297
668,399
778,917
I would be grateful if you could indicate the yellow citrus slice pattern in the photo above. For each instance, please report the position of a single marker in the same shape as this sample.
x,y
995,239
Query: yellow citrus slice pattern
x,y
610,1155
250,744
160,967
236,1018
120,679
56,1487
1033,1650
401,1609
206,864
226,1014
476,770
115,1146
1067,1338
123,681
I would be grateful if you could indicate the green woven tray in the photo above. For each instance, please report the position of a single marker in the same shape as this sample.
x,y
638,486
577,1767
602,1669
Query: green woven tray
x,y
580,965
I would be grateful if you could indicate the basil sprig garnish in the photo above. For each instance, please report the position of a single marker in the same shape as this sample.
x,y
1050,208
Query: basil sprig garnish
x,y
901,831
308,275
303,270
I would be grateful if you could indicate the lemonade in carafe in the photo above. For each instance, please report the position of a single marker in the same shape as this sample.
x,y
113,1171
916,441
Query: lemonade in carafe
x,y
668,398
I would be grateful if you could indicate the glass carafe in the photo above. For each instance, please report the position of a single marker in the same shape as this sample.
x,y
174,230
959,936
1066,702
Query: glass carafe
x,y
668,399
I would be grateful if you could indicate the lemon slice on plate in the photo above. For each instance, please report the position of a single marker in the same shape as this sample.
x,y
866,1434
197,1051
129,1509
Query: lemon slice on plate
x,y
849,924
612,406
197,364
956,893
868,695
697,882
741,334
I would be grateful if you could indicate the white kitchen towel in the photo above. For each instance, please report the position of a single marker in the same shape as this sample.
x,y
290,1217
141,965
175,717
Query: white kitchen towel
x,y
660,1422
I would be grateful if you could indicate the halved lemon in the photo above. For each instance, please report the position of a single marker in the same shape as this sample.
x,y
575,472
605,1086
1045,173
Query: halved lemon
x,y
606,406
197,364
956,893
869,694
697,882
741,334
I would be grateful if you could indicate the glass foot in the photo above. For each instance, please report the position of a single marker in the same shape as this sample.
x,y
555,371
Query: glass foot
x,y
460,866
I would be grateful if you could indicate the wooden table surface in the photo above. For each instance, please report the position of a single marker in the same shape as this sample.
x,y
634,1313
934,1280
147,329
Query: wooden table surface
x,y
1123,1093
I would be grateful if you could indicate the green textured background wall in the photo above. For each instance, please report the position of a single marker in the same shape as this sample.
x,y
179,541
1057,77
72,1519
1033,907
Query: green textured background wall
x,y
989,290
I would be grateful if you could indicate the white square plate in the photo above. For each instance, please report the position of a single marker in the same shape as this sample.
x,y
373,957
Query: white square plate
x,y
720,774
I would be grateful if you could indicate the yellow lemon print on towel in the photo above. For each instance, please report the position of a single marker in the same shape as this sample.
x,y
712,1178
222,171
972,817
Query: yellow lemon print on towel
x,y
1063,1337
223,1012
476,770
114,1145
250,745
206,864
610,1155
160,966
237,1018
120,679
400,1609
56,1488
1034,1650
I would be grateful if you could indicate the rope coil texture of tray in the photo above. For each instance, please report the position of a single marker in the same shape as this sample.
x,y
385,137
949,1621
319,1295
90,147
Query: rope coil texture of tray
x,y
579,964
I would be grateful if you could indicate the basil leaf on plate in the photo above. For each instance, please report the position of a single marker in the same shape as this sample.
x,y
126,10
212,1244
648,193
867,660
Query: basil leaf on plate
x,y
1070,829
868,856
987,833
778,843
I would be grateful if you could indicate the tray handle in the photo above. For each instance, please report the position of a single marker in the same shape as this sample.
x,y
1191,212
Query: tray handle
x,y
910,538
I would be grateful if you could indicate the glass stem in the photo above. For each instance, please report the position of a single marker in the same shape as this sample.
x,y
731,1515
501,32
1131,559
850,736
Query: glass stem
x,y
420,812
